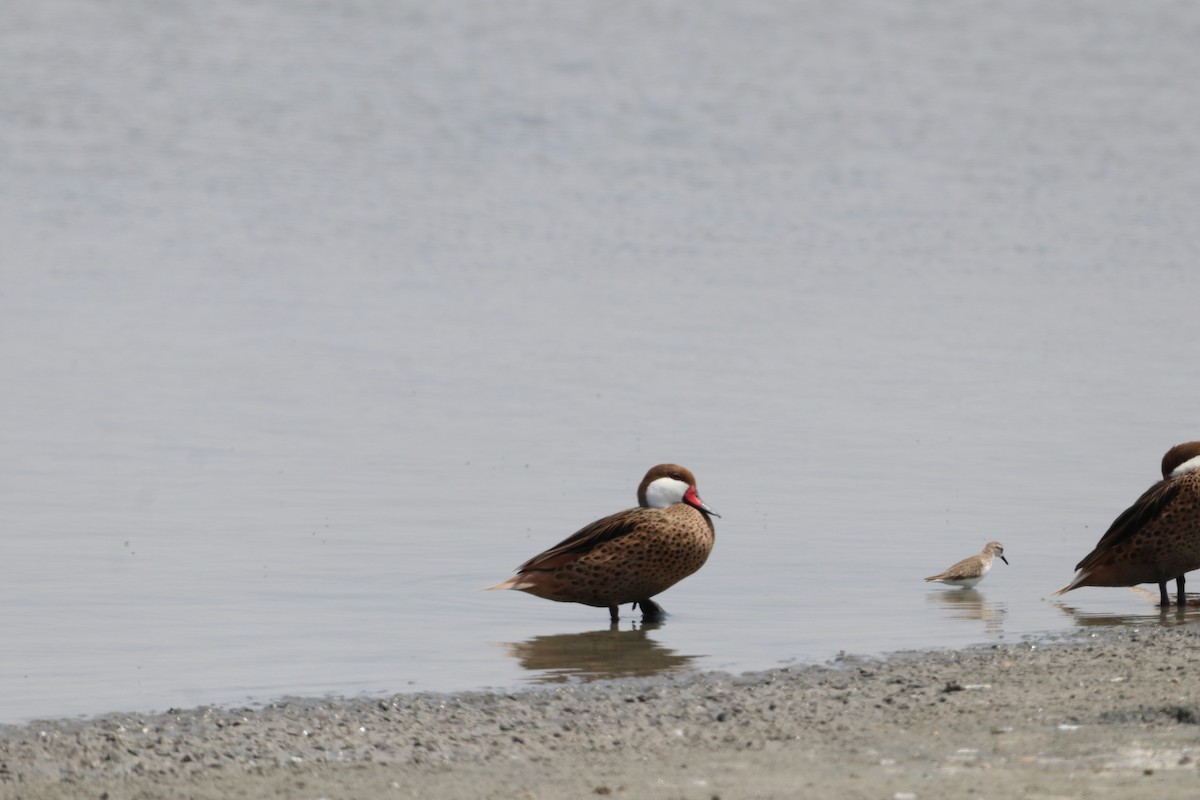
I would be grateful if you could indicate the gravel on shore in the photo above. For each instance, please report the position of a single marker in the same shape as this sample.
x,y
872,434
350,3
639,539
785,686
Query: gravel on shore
x,y
1094,715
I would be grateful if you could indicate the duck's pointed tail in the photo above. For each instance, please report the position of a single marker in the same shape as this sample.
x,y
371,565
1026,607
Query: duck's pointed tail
x,y
515,582
1079,580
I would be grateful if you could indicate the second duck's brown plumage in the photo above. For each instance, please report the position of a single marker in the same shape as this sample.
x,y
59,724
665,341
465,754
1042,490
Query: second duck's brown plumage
x,y
630,556
1156,539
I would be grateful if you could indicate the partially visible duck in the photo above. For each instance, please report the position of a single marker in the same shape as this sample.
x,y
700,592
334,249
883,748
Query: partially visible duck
x,y
1156,539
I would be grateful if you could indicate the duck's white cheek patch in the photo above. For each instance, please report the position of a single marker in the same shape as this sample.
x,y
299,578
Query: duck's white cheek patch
x,y
665,492
1191,465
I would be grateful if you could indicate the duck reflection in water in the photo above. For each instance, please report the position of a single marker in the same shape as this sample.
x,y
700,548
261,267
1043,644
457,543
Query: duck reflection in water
x,y
597,655
1175,615
970,604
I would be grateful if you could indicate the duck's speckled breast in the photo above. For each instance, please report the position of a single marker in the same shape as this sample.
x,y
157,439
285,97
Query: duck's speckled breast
x,y
1165,548
671,544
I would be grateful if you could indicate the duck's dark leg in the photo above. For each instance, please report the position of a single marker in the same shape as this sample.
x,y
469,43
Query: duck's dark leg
x,y
1179,592
1164,599
613,616
651,611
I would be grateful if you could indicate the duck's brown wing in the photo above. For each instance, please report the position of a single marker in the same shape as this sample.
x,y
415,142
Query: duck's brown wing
x,y
1147,508
587,539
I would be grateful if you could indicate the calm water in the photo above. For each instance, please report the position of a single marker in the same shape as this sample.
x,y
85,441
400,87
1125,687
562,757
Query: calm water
x,y
315,318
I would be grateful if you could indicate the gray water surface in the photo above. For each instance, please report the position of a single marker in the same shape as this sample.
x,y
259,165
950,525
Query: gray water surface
x,y
316,318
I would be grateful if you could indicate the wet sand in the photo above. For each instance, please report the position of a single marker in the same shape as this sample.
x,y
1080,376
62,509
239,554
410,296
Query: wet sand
x,y
1093,715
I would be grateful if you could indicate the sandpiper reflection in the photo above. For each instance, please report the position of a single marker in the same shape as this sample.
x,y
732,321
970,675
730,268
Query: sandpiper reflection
x,y
1155,615
596,655
970,604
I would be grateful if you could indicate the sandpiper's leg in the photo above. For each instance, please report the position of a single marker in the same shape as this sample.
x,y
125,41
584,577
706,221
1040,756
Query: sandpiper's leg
x,y
651,611
613,616
1164,599
1179,592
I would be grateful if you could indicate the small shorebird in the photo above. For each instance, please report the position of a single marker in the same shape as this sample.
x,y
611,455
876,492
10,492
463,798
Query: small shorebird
x,y
1157,538
630,556
970,571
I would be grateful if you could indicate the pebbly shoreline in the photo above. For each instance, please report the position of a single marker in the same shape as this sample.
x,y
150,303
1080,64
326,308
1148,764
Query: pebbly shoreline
x,y
1093,714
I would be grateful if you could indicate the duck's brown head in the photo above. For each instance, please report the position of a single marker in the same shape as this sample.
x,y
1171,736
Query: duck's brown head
x,y
668,484
1181,459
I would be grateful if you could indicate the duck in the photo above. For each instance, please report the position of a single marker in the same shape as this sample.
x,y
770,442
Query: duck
x,y
1155,540
629,556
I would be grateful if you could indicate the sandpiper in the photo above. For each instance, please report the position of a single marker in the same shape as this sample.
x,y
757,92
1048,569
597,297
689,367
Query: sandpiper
x,y
970,571
630,556
1156,539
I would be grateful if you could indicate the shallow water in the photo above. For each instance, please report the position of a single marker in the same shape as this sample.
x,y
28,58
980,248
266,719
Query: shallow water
x,y
317,318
